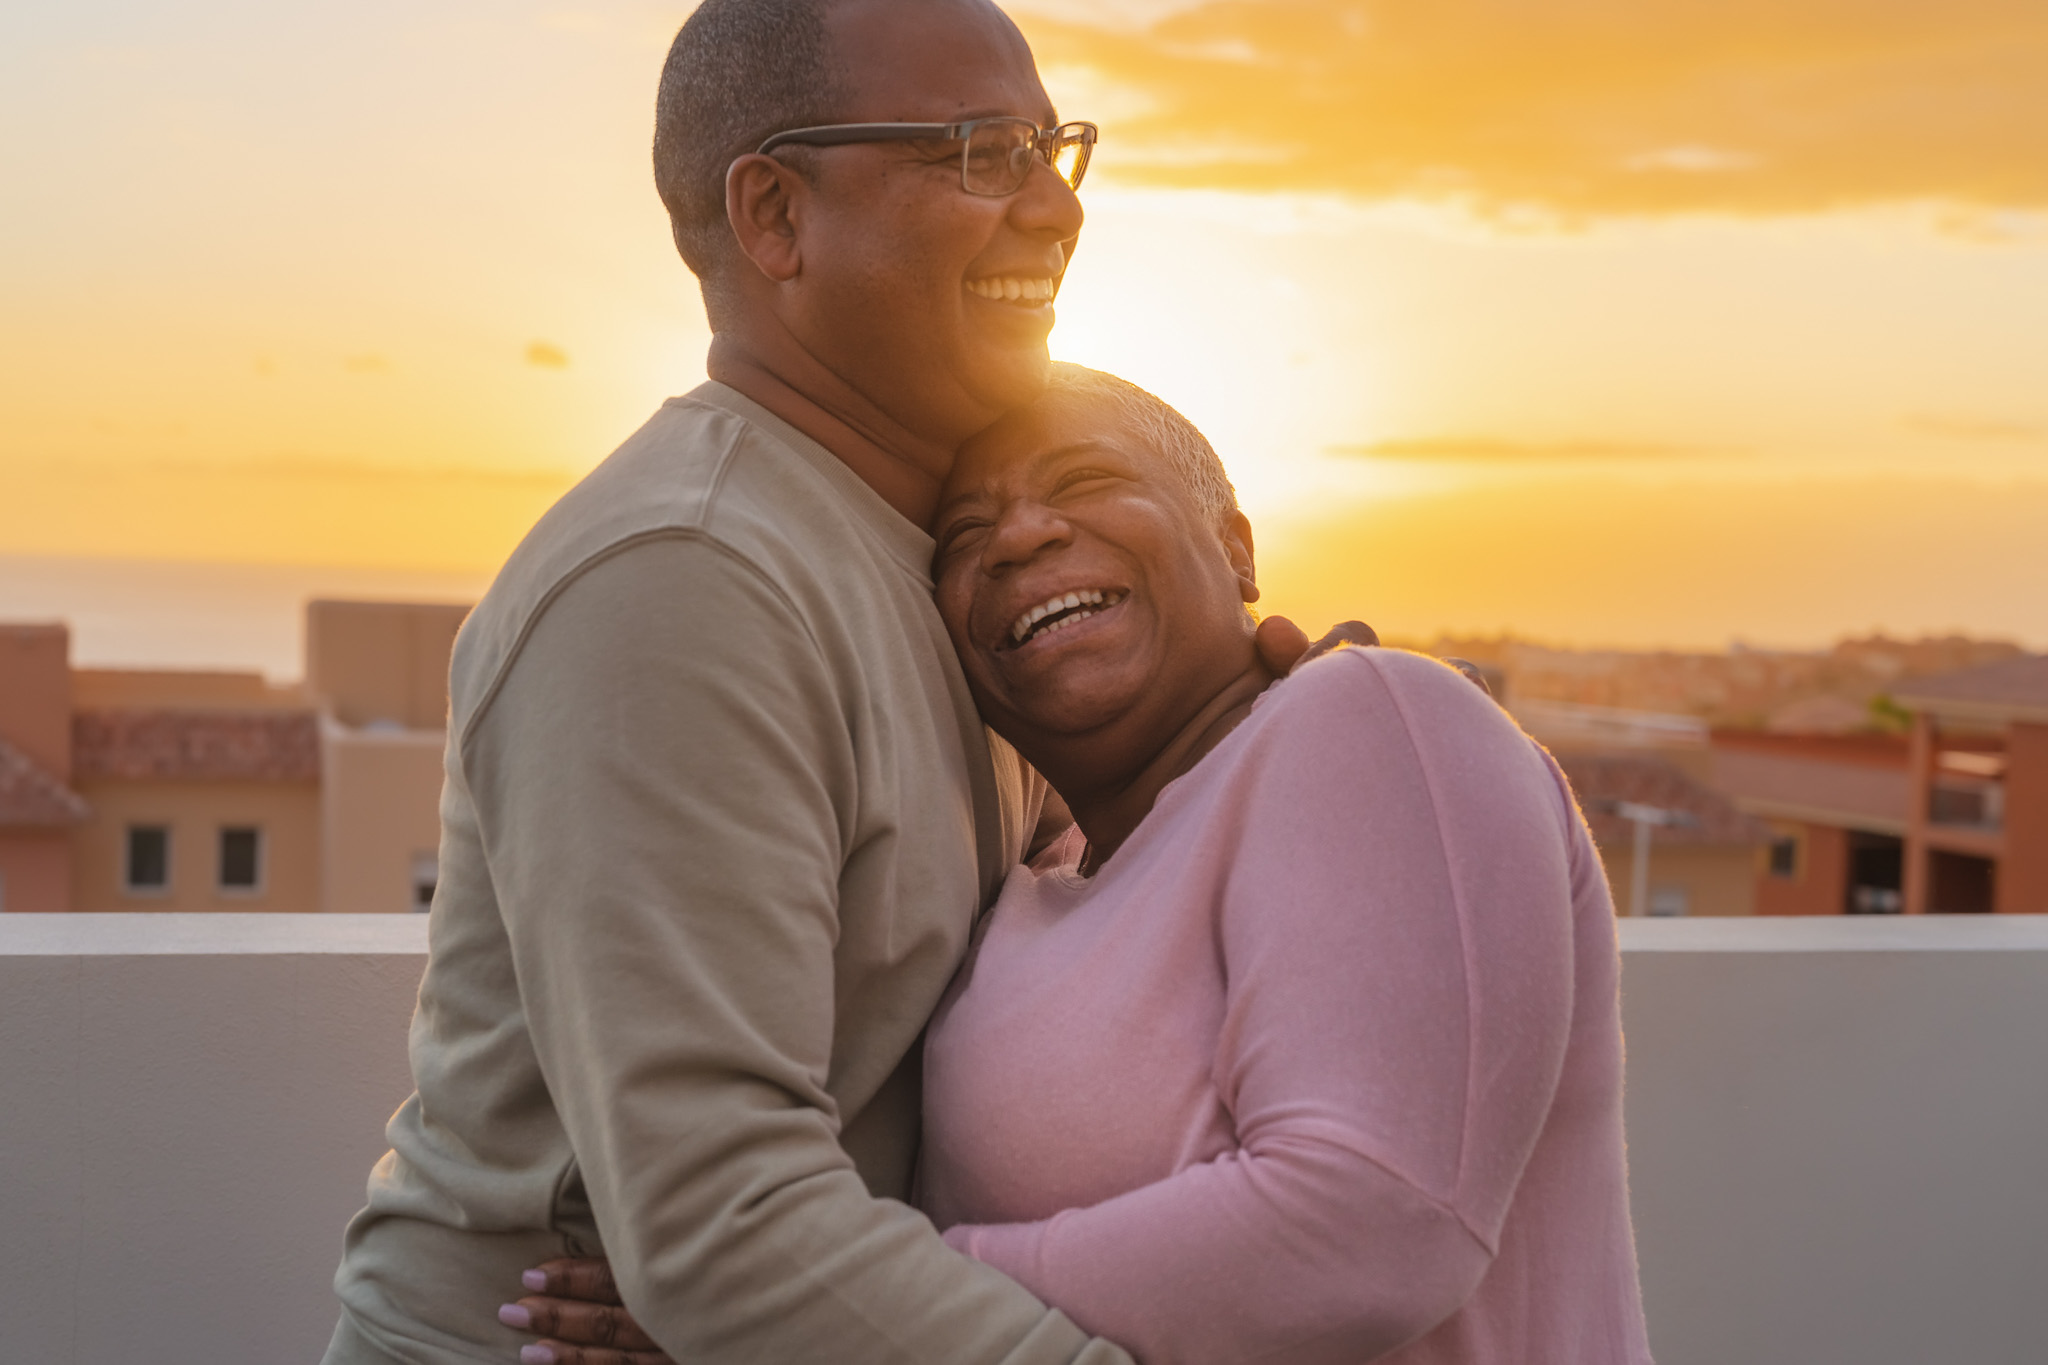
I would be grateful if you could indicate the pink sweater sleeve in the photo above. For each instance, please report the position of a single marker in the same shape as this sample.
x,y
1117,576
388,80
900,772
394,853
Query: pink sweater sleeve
x,y
1395,917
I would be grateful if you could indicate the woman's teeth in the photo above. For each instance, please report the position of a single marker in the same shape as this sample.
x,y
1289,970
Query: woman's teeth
x,y
1079,605
1012,289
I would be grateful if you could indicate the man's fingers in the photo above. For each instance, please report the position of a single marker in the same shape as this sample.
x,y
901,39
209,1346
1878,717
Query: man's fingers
x,y
569,1353
1284,646
1281,644
1342,634
585,1278
1471,671
582,1324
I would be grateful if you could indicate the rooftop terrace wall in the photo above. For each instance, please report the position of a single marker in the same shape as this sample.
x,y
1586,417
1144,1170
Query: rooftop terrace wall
x,y
1835,1132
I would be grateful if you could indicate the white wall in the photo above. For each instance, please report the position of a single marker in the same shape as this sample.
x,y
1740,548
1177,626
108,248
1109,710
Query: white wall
x,y
189,1105
1838,1138
1837,1130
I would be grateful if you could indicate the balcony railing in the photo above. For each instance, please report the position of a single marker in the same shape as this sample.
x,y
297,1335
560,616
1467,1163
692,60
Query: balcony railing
x,y
1835,1132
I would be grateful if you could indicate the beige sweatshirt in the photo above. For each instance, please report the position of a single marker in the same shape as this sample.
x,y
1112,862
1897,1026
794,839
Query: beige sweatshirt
x,y
718,817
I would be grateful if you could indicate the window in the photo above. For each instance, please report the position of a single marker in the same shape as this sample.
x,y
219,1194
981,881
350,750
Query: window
x,y
1784,857
147,871
426,874
241,860
1669,902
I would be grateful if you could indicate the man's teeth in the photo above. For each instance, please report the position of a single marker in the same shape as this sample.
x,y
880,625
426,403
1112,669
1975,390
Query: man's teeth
x,y
1087,597
1012,288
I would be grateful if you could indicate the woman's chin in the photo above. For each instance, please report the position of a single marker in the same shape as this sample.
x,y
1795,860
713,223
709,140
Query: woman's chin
x,y
1068,711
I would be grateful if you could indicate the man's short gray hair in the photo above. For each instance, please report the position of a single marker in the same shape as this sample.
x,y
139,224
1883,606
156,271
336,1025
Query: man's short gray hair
x,y
1156,422
738,71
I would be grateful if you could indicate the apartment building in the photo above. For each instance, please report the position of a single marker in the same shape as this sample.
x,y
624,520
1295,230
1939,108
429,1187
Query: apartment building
x,y
219,791
1951,818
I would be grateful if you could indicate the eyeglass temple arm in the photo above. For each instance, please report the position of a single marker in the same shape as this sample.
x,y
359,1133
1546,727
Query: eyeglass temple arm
x,y
837,134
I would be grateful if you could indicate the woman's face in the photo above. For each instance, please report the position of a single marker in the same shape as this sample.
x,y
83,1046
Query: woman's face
x,y
1082,584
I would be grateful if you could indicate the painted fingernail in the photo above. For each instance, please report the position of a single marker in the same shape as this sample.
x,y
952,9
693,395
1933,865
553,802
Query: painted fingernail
x,y
535,1280
513,1315
536,1355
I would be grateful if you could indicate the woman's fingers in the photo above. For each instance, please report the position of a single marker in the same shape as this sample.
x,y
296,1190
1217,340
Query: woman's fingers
x,y
569,1353
580,1324
586,1278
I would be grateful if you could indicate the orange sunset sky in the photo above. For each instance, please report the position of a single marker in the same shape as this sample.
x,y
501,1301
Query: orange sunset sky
x,y
1643,322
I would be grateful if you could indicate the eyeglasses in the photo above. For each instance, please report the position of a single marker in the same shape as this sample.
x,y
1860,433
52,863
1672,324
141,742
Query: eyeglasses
x,y
995,156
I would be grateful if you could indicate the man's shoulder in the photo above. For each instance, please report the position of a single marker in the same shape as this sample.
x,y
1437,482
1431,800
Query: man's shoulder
x,y
704,471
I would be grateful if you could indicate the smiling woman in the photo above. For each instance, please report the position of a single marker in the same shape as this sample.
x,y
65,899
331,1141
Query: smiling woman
x,y
1195,1085
1079,556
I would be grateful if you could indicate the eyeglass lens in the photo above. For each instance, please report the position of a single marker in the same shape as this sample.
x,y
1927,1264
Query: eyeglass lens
x,y
1000,152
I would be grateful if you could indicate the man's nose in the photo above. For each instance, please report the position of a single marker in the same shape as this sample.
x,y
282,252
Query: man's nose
x,y
1022,534
1045,205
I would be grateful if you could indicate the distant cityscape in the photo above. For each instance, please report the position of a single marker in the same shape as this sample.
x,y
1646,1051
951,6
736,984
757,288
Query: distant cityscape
x,y
1881,776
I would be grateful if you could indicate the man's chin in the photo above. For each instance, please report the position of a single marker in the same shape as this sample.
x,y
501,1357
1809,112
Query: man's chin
x,y
1012,376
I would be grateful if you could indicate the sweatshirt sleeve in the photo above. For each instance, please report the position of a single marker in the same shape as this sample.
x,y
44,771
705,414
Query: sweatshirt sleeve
x,y
1394,917
664,781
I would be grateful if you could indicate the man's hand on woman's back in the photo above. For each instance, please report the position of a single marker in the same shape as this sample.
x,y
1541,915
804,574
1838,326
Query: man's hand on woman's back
x,y
1284,646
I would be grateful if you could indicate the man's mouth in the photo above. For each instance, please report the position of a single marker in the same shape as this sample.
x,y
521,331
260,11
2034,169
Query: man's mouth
x,y
1057,613
1028,291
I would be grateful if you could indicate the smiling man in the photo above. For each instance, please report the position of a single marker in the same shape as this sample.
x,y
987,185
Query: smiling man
x,y
719,811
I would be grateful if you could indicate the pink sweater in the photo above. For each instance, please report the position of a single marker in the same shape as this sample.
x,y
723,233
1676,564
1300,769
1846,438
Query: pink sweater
x,y
1325,1064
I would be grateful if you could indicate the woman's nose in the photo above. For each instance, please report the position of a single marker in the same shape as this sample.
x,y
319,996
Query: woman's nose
x,y
1022,534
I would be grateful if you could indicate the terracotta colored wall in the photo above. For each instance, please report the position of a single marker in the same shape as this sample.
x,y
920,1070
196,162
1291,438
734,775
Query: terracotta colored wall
x,y
1821,886
35,871
287,812
382,661
381,809
2023,872
35,695
1718,880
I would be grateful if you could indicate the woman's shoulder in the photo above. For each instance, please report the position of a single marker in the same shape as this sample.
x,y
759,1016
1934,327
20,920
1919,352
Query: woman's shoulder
x,y
1378,710
1378,685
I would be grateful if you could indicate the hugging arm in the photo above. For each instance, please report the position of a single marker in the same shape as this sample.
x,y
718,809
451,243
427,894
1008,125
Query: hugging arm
x,y
1396,929
662,779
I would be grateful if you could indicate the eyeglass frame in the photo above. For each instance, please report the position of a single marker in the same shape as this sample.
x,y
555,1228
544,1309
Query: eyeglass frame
x,y
847,134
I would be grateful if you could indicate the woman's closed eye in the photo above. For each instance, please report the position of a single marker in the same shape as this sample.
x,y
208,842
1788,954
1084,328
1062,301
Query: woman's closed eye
x,y
1083,480
961,535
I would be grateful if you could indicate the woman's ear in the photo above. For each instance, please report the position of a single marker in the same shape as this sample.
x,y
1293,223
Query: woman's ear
x,y
1237,544
760,203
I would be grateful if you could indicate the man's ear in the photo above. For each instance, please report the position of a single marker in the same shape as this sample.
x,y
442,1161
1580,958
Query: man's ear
x,y
760,203
1237,544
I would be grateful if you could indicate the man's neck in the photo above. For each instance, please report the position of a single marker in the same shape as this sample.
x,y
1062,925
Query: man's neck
x,y
904,468
1109,805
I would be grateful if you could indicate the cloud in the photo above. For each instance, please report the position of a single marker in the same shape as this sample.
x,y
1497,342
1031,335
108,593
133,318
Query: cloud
x,y
1972,428
546,356
1453,448
1582,108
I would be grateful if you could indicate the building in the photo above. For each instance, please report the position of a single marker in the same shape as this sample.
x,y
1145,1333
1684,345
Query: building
x,y
1951,818
1977,774
1671,844
218,791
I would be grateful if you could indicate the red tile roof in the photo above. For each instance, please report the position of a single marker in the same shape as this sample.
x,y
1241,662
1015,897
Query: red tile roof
x,y
31,798
255,746
1601,781
1866,750
2013,689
